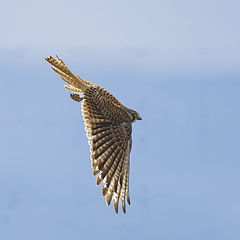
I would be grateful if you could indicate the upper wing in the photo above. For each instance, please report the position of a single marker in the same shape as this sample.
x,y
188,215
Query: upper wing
x,y
110,144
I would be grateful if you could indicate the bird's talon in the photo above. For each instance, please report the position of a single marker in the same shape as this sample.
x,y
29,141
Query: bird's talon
x,y
76,97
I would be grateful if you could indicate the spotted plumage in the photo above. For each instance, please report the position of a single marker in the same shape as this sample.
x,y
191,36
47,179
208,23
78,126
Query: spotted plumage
x,y
108,125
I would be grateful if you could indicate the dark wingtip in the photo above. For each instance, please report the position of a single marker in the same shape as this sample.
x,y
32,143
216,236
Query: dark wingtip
x,y
128,200
116,207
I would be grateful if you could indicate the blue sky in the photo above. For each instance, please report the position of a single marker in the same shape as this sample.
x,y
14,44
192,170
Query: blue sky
x,y
176,63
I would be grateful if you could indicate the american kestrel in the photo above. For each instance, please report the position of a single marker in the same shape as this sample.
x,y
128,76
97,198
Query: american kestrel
x,y
108,125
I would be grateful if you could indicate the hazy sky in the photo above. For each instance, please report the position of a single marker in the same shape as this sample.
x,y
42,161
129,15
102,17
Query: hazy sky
x,y
176,63
196,34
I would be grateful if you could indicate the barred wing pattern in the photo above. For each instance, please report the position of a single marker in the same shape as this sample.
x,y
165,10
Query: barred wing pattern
x,y
109,129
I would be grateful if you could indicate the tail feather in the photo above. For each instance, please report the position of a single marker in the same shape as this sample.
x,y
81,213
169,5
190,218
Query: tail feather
x,y
76,83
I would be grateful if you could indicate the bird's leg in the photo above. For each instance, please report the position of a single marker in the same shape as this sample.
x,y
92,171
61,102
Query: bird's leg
x,y
76,97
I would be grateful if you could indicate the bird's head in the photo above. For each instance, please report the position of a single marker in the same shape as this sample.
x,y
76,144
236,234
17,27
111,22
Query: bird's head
x,y
134,115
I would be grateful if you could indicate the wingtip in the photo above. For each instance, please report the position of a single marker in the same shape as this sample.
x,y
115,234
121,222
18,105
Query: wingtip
x,y
99,180
124,209
128,200
95,172
115,203
104,190
116,208
108,200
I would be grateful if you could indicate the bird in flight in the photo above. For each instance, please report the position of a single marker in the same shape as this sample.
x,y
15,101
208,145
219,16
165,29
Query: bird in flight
x,y
108,125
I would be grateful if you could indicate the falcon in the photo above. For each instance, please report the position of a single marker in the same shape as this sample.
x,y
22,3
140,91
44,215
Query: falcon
x,y
108,125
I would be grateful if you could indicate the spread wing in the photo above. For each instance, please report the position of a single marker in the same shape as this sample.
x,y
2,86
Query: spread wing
x,y
109,131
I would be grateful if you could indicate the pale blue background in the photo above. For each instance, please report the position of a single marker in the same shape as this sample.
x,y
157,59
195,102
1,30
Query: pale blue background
x,y
176,63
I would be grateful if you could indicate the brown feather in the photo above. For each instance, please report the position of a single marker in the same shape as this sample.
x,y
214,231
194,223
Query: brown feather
x,y
108,126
